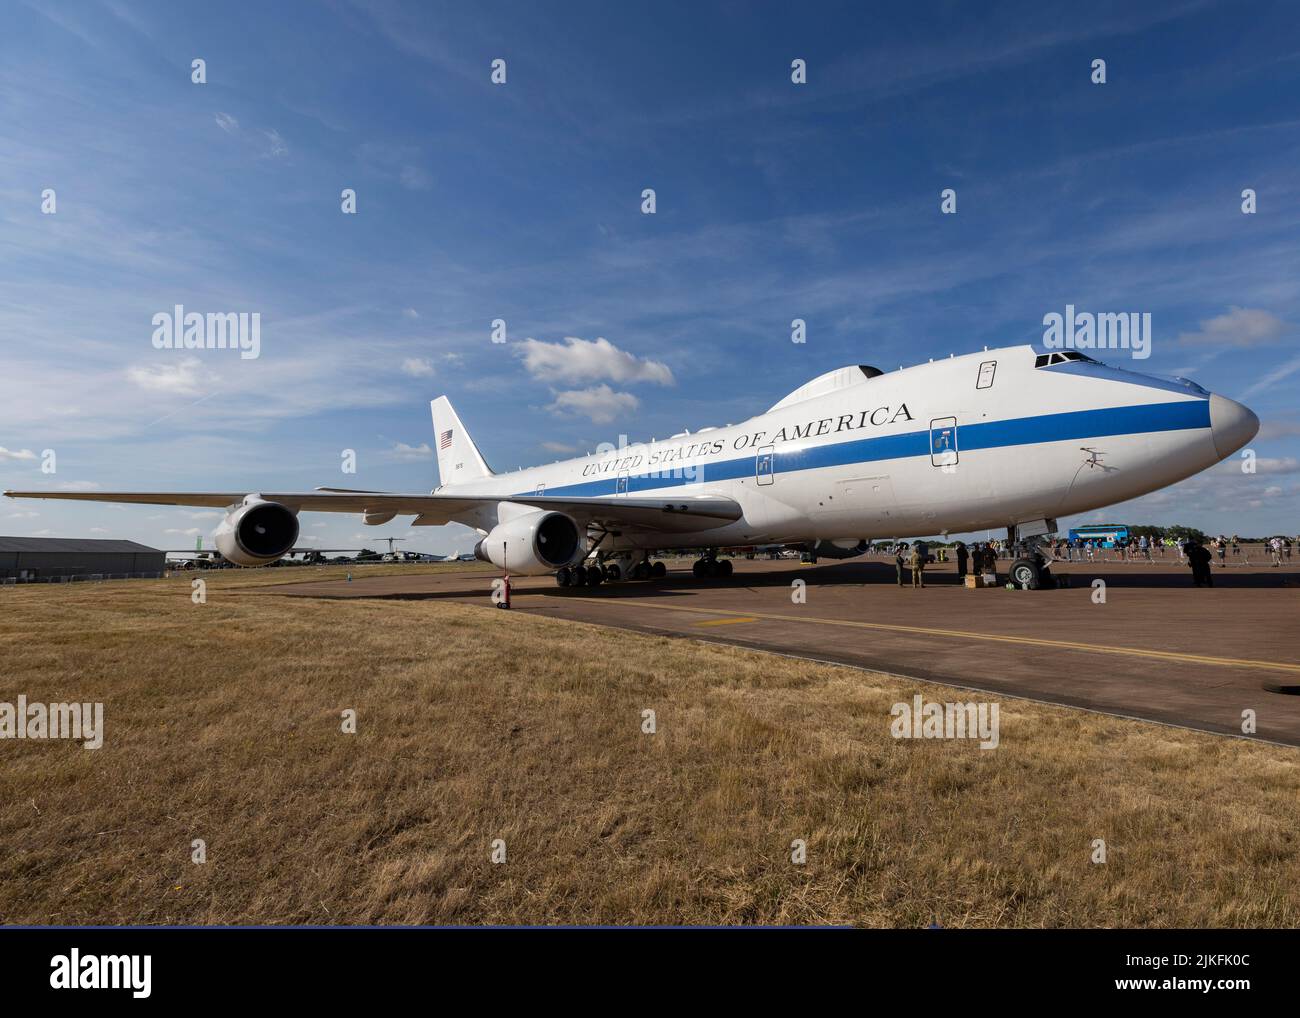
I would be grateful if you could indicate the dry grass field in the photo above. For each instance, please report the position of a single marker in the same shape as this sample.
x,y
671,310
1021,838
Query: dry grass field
x,y
223,723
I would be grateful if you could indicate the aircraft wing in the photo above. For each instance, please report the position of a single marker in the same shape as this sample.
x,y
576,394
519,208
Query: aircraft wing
x,y
683,514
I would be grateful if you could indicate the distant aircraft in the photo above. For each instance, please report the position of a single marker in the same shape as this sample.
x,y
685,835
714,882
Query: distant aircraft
x,y
198,555
1010,438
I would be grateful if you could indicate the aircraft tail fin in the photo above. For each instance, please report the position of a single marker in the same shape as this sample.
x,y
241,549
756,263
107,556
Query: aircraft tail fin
x,y
459,460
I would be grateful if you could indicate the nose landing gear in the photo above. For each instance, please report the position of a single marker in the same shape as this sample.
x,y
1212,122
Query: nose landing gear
x,y
1031,569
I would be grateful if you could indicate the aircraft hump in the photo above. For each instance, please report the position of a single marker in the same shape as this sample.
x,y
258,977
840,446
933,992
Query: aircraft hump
x,y
840,378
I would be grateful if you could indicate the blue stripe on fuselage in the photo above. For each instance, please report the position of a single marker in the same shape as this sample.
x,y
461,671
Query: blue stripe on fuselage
x,y
1144,418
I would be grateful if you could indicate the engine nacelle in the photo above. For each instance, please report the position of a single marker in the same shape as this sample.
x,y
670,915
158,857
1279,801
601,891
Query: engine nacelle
x,y
845,547
532,544
257,533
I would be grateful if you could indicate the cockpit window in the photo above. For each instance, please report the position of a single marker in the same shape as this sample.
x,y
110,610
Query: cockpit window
x,y
1046,359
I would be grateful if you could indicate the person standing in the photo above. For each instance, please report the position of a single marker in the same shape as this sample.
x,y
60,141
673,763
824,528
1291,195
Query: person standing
x,y
1199,558
900,562
918,565
962,558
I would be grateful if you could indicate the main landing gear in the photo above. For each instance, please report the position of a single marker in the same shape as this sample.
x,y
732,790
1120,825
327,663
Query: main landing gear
x,y
580,576
596,573
711,567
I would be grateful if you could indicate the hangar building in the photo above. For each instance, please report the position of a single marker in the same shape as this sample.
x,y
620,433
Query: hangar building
x,y
45,558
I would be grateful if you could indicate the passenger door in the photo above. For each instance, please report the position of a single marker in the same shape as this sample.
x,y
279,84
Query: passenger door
x,y
765,465
943,442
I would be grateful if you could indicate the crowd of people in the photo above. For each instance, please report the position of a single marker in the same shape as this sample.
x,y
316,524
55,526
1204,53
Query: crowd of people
x,y
1144,548
981,557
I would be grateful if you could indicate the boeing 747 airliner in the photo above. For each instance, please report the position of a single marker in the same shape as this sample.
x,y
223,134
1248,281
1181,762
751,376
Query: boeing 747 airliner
x,y
1010,438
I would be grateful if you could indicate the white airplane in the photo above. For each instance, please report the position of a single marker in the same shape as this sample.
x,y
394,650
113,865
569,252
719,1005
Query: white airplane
x,y
1010,438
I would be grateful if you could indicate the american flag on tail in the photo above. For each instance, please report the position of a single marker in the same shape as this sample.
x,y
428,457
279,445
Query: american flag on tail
x,y
444,439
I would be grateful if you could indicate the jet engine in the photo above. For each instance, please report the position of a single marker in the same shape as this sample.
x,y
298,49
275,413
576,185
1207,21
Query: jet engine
x,y
846,547
257,533
532,544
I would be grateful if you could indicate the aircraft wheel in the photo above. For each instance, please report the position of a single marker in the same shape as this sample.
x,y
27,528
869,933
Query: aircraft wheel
x,y
1024,573
564,577
613,574
700,569
594,576
579,576
641,571
658,570
724,567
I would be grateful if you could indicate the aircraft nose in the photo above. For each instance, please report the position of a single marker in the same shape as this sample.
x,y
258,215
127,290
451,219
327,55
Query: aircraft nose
x,y
1231,425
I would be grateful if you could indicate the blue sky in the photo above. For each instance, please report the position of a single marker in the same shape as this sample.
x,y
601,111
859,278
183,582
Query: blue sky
x,y
522,202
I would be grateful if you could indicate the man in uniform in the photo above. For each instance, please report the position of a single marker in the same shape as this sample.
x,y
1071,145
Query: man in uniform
x,y
900,560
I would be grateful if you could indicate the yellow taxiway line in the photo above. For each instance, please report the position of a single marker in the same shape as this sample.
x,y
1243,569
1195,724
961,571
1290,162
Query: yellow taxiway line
x,y
960,634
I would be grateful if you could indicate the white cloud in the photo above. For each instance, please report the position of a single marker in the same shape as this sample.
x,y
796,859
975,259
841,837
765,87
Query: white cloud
x,y
1237,327
1274,465
16,454
417,367
99,530
276,147
581,360
23,516
79,486
559,447
402,451
600,404
410,313
189,532
181,378
227,123
1278,374
1271,429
